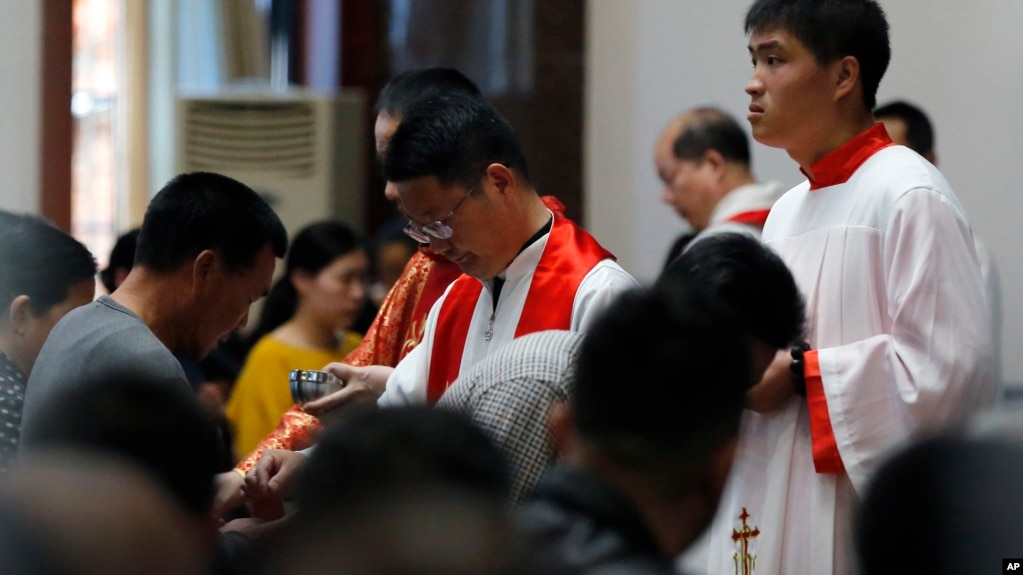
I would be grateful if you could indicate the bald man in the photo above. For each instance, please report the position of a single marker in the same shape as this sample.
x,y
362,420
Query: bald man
x,y
703,159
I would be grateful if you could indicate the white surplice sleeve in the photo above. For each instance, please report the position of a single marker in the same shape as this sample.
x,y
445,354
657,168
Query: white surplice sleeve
x,y
605,282
930,365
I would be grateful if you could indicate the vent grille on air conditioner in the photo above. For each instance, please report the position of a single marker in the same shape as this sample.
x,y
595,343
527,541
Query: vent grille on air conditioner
x,y
257,136
302,151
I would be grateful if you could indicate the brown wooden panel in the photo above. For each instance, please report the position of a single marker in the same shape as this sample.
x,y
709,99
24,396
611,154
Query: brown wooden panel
x,y
547,116
557,110
364,67
56,127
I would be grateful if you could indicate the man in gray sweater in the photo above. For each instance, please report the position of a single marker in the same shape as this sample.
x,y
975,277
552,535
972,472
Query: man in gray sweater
x,y
206,251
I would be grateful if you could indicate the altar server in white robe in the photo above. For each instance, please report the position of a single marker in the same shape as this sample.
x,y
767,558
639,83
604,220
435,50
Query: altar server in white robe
x,y
898,335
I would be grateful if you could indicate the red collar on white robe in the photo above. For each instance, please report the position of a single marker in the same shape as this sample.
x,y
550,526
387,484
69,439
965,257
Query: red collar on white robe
x,y
751,218
570,254
839,165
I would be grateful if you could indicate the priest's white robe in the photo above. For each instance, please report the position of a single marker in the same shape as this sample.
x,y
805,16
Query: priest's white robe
x,y
408,383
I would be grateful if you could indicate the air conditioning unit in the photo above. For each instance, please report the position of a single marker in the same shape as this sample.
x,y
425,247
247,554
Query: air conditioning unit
x,y
301,150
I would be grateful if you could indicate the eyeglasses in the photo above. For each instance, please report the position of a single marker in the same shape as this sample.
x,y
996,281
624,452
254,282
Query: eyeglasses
x,y
437,230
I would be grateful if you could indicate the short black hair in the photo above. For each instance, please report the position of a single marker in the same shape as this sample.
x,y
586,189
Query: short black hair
x,y
831,30
707,129
679,396
409,88
919,131
159,427
315,247
452,138
40,261
749,279
202,210
374,454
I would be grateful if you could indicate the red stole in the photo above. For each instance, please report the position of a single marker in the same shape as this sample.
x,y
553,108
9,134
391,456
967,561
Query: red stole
x,y
569,255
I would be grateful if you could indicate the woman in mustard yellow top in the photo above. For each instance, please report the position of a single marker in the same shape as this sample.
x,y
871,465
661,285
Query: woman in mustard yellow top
x,y
302,326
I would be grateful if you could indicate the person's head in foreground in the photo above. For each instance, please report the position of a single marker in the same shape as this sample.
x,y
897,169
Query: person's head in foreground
x,y
750,280
945,505
70,511
655,409
160,429
402,490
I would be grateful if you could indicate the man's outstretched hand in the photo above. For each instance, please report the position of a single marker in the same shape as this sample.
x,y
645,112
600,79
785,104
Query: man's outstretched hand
x,y
276,473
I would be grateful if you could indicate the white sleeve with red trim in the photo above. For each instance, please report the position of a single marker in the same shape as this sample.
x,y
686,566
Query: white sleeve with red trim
x,y
923,360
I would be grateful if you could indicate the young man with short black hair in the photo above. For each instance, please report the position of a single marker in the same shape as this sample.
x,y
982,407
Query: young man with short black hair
x,y
898,334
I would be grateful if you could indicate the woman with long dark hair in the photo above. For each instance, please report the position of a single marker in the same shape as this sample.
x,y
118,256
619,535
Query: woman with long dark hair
x,y
304,325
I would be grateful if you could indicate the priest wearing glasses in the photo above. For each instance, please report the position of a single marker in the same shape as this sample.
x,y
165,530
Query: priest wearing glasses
x,y
464,186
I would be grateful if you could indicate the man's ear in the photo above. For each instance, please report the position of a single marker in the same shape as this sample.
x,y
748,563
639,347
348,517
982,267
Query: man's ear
x,y
19,314
501,176
716,162
847,76
203,267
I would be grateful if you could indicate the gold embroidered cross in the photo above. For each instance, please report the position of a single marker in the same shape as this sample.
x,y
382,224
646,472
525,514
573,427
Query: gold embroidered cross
x,y
744,562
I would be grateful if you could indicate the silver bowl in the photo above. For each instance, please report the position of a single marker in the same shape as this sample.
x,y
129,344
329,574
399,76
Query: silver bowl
x,y
308,384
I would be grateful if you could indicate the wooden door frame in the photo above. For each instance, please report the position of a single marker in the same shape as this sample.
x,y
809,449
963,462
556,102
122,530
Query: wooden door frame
x,y
56,127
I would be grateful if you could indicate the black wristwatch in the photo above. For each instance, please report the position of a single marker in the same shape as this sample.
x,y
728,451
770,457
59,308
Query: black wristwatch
x,y
798,367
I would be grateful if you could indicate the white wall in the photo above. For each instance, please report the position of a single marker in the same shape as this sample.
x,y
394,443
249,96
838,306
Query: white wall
x,y
20,98
648,60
